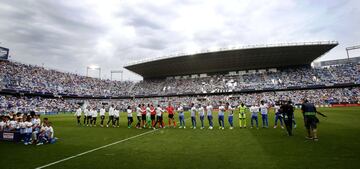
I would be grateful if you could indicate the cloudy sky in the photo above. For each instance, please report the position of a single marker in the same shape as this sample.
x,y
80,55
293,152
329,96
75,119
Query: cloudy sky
x,y
68,35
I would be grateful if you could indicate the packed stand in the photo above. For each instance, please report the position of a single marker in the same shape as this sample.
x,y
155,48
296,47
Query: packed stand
x,y
38,104
291,77
47,106
24,77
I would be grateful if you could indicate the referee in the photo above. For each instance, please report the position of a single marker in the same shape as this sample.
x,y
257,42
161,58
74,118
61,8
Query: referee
x,y
309,112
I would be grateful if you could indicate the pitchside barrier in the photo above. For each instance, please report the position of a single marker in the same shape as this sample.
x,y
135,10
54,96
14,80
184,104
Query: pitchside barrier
x,y
54,113
322,105
338,105
345,105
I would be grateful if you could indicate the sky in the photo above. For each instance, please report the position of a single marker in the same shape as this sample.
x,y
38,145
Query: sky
x,y
70,35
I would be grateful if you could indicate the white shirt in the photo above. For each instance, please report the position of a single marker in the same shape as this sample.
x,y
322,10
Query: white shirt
x,y
13,123
193,111
254,110
102,112
43,128
78,112
264,109
36,122
221,110
180,110
2,125
94,113
129,112
231,111
28,127
201,111
148,111
116,113
138,111
22,127
111,111
49,131
209,110
277,108
159,110
87,112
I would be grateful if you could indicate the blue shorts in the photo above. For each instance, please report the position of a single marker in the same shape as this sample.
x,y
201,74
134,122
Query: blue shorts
x,y
221,118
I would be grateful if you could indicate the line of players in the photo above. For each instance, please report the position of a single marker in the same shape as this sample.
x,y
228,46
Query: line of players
x,y
152,117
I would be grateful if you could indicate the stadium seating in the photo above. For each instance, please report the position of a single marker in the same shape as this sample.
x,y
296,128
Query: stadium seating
x,y
22,77
319,97
286,78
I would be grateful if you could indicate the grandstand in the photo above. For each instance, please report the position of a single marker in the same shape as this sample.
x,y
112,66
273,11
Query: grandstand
x,y
233,60
247,74
254,69
249,69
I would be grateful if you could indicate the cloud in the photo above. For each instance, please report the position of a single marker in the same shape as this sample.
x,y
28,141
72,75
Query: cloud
x,y
69,35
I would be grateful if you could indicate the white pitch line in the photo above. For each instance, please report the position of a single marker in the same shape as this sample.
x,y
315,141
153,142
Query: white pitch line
x,y
95,149
89,151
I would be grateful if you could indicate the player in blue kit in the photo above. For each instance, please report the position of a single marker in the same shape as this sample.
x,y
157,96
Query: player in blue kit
x,y
193,115
278,116
221,116
209,110
231,115
201,115
254,115
180,111
264,114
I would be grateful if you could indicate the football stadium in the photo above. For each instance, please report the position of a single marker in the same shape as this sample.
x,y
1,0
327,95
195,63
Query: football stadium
x,y
277,105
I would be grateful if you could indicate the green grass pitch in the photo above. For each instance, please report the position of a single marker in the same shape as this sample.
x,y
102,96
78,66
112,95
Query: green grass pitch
x,y
338,147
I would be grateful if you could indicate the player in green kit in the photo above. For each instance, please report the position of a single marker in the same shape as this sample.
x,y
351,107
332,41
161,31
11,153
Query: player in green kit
x,y
242,115
148,116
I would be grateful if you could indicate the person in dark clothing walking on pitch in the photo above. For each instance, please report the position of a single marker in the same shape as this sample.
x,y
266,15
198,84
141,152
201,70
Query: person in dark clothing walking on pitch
x,y
287,111
310,120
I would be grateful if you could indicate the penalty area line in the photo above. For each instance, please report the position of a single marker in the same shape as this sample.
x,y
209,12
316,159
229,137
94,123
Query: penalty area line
x,y
95,149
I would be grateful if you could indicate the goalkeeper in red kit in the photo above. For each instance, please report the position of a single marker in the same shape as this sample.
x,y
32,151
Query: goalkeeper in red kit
x,y
170,109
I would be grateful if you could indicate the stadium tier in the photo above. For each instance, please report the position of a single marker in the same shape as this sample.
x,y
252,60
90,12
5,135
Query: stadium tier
x,y
33,80
325,97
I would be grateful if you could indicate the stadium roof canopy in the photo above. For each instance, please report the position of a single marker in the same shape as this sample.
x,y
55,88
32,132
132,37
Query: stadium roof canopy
x,y
235,59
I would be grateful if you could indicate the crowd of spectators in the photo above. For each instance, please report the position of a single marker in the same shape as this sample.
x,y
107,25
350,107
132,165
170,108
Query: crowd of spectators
x,y
46,105
37,104
282,79
22,77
